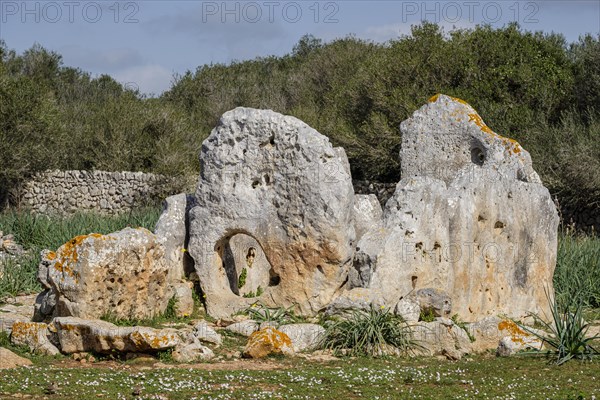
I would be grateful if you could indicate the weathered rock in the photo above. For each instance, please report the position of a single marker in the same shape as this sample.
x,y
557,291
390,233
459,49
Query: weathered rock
x,y
10,360
183,294
485,232
250,274
268,341
244,328
77,335
447,136
516,340
124,274
434,301
350,301
408,308
203,332
34,335
304,336
487,333
171,232
274,178
192,352
368,214
441,337
7,320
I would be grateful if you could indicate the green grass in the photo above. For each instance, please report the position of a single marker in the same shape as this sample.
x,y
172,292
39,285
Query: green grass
x,y
349,378
371,332
37,232
577,274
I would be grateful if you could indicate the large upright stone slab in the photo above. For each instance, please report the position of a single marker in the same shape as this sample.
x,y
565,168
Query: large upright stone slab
x,y
469,218
277,180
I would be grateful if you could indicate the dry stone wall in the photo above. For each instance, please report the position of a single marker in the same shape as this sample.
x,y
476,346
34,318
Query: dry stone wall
x,y
66,192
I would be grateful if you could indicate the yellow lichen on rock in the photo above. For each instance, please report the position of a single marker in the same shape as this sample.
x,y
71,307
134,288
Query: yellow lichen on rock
x,y
516,334
268,341
67,253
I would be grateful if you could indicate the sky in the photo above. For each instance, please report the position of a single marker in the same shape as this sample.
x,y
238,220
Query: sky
x,y
144,44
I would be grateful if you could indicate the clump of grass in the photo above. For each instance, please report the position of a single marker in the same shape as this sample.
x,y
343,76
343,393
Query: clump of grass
x,y
427,315
369,333
567,337
577,273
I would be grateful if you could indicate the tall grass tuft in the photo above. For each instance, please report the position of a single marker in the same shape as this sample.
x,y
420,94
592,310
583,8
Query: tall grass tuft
x,y
567,337
577,274
369,333
38,232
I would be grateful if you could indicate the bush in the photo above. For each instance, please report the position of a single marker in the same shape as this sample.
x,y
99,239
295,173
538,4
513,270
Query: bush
x,y
371,333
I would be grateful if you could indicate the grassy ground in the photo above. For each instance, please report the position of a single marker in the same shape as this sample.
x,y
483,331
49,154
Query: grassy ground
x,y
484,377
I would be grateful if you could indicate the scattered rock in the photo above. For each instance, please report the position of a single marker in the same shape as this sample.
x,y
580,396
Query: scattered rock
x,y
304,337
203,332
192,352
34,335
516,340
441,337
11,360
274,178
268,341
183,293
244,328
78,335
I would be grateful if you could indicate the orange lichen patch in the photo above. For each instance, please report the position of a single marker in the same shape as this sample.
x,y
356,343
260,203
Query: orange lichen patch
x,y
50,255
516,333
509,144
27,332
266,341
434,98
67,253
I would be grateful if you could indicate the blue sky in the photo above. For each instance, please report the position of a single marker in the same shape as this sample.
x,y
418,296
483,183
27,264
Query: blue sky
x,y
143,43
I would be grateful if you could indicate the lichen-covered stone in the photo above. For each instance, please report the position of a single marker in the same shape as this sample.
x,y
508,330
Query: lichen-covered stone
x,y
304,336
483,230
124,274
192,352
77,335
268,341
34,335
274,178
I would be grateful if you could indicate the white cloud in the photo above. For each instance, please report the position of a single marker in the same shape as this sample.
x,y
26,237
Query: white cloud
x,y
149,79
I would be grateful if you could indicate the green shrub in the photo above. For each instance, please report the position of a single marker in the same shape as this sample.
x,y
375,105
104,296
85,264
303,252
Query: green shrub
x,y
369,333
278,316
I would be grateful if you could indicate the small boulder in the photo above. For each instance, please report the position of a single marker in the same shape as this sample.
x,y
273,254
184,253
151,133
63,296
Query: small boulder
x,y
11,360
441,337
304,336
244,328
203,332
516,340
34,335
192,352
268,341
